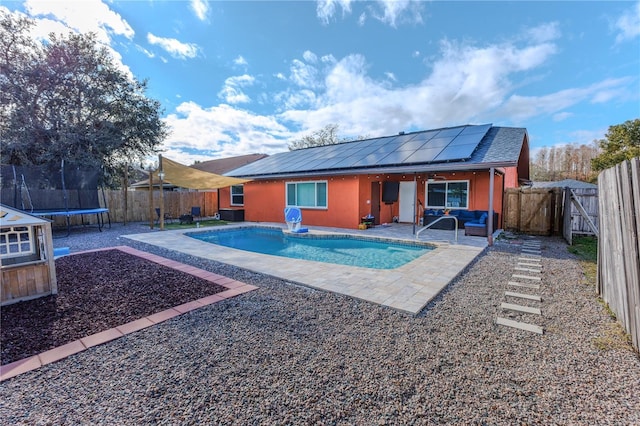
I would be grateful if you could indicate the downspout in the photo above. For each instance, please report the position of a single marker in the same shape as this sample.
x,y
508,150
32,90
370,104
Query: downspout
x,y
415,202
490,209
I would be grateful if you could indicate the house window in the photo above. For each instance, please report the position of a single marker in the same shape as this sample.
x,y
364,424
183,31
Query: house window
x,y
307,194
450,195
237,195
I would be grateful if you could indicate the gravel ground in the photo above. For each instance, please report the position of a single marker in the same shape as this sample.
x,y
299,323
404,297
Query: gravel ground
x,y
286,354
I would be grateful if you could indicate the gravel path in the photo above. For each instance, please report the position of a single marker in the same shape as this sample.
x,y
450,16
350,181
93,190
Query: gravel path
x,y
286,354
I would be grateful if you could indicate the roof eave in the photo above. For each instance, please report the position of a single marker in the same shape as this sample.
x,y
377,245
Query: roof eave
x,y
417,168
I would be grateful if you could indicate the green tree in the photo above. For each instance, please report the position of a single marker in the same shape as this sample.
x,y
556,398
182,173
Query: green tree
x,y
622,142
66,99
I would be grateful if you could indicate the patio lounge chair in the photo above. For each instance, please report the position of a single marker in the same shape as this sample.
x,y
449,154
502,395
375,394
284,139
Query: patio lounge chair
x,y
293,217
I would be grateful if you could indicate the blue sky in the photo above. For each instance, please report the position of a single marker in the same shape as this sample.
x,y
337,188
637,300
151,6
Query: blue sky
x,y
243,77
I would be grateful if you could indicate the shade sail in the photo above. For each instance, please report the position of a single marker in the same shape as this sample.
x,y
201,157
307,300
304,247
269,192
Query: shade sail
x,y
188,177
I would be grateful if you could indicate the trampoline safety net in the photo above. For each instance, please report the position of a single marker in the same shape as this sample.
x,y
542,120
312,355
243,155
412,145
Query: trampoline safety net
x,y
49,188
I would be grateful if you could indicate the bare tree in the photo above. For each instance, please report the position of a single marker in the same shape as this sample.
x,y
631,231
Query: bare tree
x,y
328,135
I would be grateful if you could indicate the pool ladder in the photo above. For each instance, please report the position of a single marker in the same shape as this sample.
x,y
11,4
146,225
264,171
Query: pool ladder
x,y
455,219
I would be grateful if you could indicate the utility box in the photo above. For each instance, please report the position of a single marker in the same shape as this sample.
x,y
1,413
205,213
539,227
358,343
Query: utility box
x,y
26,257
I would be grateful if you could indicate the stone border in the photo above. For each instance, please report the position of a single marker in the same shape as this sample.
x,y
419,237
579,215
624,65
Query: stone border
x,y
234,288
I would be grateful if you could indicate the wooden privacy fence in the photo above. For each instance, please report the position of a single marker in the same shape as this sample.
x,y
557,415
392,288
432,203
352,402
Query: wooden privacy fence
x,y
618,245
137,205
580,212
533,211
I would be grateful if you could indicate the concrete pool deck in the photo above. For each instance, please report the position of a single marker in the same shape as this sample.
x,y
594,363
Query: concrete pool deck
x,y
408,288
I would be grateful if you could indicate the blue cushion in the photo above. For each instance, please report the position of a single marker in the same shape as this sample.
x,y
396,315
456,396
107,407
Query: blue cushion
x,y
483,218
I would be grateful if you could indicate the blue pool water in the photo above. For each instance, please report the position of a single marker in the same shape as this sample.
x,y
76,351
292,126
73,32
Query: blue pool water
x,y
343,250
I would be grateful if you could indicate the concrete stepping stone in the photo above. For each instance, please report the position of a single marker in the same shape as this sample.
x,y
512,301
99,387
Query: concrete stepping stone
x,y
526,277
519,325
524,264
535,252
519,268
520,308
524,285
523,296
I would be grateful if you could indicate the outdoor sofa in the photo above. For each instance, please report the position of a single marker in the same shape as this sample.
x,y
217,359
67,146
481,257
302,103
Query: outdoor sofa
x,y
471,217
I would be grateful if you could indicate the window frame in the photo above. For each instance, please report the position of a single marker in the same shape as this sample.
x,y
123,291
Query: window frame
x,y
315,197
231,195
446,194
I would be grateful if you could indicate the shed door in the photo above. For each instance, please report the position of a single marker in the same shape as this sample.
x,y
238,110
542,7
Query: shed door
x,y
407,201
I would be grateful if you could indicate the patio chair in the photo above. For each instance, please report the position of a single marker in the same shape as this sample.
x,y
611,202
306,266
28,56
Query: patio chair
x,y
196,213
167,216
293,217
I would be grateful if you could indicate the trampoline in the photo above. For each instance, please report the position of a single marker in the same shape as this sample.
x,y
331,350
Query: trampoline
x,y
54,191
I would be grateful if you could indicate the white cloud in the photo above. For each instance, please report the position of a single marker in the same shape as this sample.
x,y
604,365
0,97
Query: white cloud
x,y
200,8
391,76
398,10
520,107
80,17
174,47
464,83
561,116
232,91
83,17
240,61
303,75
386,11
327,8
225,130
543,33
310,57
628,24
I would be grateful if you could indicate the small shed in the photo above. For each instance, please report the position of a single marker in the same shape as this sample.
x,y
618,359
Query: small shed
x,y
26,257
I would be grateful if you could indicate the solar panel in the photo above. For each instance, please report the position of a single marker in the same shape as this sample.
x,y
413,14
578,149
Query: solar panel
x,y
456,152
369,160
450,144
482,128
424,155
438,142
466,139
455,131
396,157
411,145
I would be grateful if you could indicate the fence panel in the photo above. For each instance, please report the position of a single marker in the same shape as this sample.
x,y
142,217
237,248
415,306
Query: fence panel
x,y
534,211
618,245
137,205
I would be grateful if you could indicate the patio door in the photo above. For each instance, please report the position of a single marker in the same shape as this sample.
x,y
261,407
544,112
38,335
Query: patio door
x,y
407,202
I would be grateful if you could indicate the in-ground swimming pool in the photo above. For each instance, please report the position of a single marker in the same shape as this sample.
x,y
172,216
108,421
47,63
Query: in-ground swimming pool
x,y
340,249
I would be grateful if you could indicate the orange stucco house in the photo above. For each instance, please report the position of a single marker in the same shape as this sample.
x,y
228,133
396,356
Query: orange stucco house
x,y
390,178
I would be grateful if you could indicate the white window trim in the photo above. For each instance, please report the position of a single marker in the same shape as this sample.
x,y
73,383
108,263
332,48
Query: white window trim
x,y
447,182
15,248
296,182
231,203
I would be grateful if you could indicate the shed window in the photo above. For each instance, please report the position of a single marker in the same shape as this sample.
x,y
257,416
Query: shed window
x,y
16,241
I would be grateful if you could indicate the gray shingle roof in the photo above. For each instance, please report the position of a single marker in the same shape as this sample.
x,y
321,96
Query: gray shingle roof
x,y
571,183
469,147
